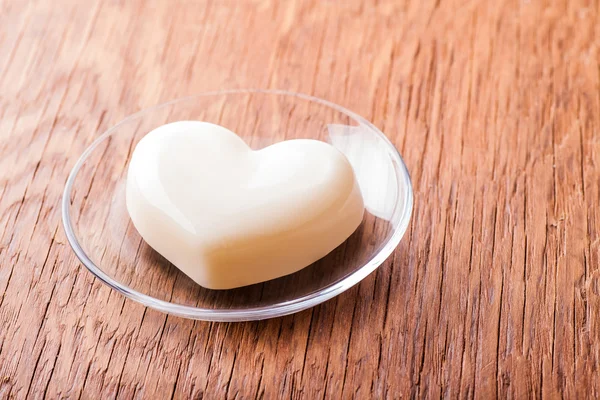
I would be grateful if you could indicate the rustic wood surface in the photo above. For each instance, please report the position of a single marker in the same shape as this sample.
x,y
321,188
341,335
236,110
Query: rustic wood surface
x,y
495,106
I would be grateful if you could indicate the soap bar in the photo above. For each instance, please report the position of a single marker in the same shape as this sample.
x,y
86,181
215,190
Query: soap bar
x,y
229,216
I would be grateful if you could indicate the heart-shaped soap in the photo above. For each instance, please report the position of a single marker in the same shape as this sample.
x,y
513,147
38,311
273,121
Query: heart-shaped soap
x,y
229,216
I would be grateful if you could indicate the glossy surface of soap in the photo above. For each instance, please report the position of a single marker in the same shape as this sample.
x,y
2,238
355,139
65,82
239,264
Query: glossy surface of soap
x,y
228,216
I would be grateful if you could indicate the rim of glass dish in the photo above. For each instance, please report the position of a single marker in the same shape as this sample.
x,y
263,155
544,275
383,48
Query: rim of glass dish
x,y
256,313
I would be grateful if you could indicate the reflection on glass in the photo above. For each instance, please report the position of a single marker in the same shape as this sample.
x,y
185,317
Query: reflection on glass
x,y
369,156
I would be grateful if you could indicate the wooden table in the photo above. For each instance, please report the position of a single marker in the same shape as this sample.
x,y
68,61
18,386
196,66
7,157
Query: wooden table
x,y
495,106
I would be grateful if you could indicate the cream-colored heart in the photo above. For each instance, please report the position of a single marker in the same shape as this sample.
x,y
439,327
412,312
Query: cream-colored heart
x,y
228,216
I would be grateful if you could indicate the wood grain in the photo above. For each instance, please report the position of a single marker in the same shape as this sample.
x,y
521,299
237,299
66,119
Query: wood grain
x,y
495,107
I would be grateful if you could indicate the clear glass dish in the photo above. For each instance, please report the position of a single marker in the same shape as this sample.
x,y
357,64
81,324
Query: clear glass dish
x,y
100,232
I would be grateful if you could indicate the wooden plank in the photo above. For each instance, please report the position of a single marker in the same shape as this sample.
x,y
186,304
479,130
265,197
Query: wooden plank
x,y
495,107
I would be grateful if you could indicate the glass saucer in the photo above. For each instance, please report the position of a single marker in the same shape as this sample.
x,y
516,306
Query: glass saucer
x,y
102,236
